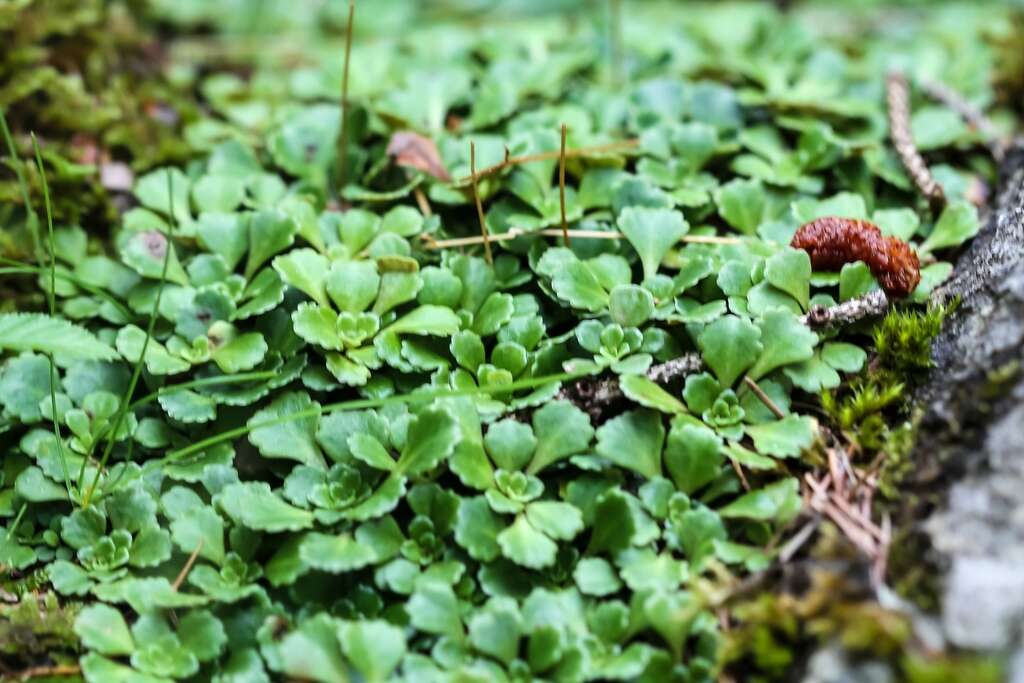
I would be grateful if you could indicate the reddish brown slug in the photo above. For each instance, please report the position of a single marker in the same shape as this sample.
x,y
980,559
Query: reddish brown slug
x,y
833,242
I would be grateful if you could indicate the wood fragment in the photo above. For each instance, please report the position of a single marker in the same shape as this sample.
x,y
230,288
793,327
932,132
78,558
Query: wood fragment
x,y
898,100
871,304
180,579
561,188
973,116
479,206
608,148
513,233
412,150
49,670
343,133
763,397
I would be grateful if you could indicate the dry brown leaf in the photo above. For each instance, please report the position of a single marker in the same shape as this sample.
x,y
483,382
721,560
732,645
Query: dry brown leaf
x,y
415,151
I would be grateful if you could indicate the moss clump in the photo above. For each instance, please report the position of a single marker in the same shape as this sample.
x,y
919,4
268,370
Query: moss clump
x,y
903,340
36,629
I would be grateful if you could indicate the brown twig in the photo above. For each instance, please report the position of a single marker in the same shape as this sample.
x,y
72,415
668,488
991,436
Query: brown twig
x,y
974,117
343,135
593,394
764,398
547,156
479,206
49,670
180,579
871,304
422,202
898,99
513,233
561,188
738,469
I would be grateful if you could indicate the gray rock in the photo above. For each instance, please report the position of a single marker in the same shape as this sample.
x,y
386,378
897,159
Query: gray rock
x,y
972,436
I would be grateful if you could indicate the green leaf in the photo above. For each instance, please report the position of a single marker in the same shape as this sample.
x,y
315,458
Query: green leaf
x,y
42,333
254,505
957,224
743,204
131,339
494,313
561,521
431,438
596,576
934,127
270,232
779,502
24,383
144,252
785,438
200,525
630,305
433,608
278,435
693,456
203,634
785,340
374,647
477,528
353,285
97,669
561,430
633,441
652,232
577,284
495,629
310,652
729,346
103,629
790,271
241,353
526,546
317,325
306,271
153,190
855,280
649,394
427,320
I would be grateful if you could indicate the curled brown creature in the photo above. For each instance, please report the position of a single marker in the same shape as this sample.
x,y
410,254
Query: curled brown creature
x,y
833,242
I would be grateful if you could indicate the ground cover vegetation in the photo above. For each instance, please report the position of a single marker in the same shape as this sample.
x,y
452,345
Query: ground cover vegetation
x,y
450,344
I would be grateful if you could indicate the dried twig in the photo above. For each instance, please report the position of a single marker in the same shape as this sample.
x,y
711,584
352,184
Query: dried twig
x,y
180,579
898,99
763,397
343,134
593,394
49,670
974,117
617,146
871,304
513,233
479,207
561,188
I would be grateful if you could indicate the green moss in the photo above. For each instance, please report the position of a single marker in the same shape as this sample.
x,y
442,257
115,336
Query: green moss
x,y
903,340
963,668
37,628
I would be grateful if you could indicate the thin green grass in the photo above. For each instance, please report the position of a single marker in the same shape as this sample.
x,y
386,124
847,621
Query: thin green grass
x,y
51,300
137,371
31,219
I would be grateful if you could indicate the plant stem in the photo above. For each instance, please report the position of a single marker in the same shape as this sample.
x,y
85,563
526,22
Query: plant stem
x,y
343,133
479,206
137,372
51,300
561,188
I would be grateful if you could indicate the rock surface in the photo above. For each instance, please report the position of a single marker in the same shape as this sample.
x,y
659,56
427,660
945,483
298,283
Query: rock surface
x,y
972,436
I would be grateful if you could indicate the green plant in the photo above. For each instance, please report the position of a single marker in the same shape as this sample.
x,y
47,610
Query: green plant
x,y
277,428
